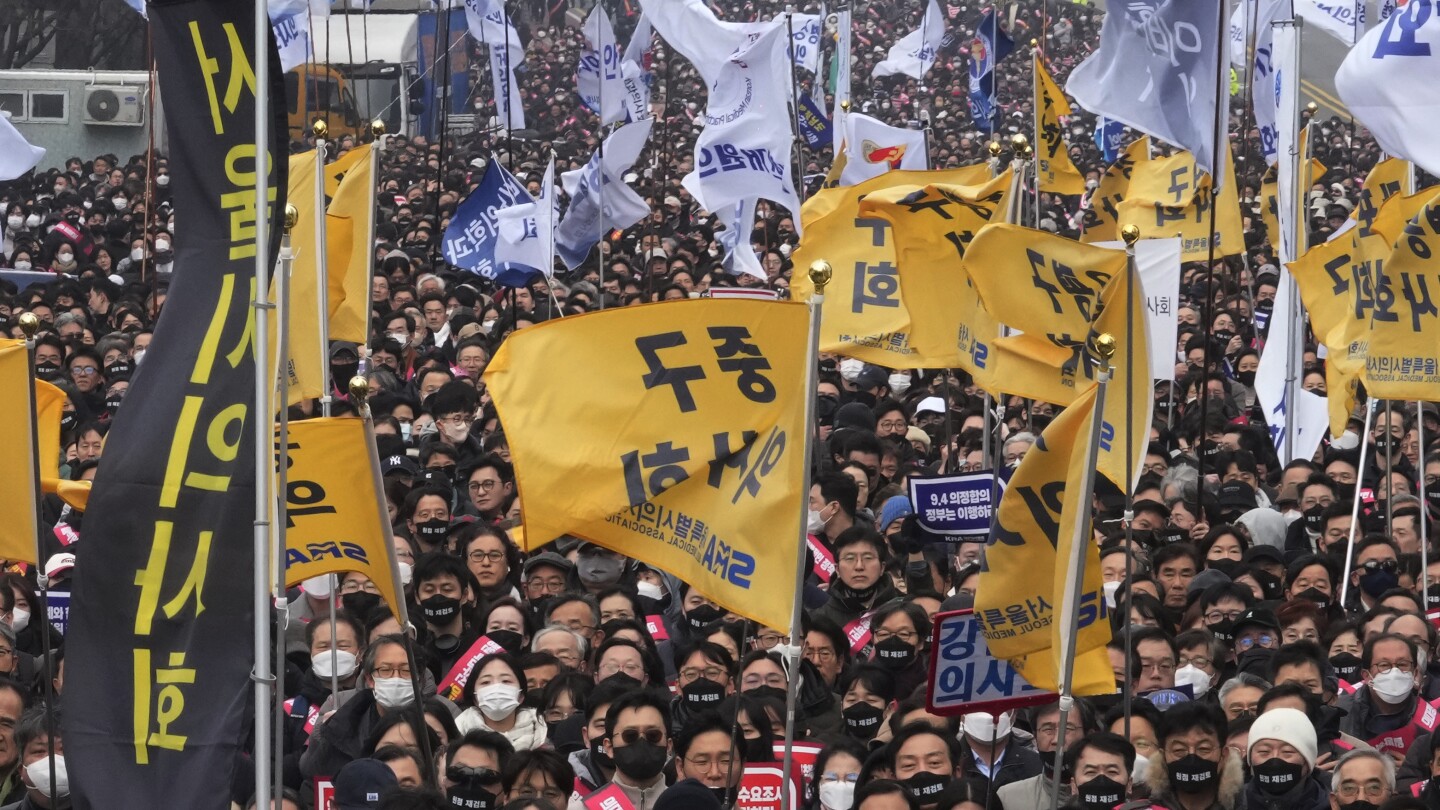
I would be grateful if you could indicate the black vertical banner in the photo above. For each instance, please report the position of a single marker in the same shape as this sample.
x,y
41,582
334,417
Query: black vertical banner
x,y
159,644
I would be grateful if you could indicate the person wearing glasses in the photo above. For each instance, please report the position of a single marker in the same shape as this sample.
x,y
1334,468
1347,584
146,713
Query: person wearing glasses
x,y
859,585
705,751
1368,777
388,687
637,742
471,768
1376,570
492,558
1383,708
490,483
1199,772
1257,637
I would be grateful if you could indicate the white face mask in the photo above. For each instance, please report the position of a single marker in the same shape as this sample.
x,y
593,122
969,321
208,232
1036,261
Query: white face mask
x,y
137,254
318,587
170,226
837,795
399,337
407,571
339,663
487,326
899,384
814,522
120,203
15,222
162,180
982,727
161,245
19,619
23,266
649,590
497,701
39,773
137,356
1392,685
32,220
850,368
1110,589
1198,679
65,258
394,693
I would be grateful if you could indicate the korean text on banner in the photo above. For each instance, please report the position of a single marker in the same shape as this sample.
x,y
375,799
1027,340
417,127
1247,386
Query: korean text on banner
x,y
966,677
709,445
1024,578
957,505
1057,172
333,524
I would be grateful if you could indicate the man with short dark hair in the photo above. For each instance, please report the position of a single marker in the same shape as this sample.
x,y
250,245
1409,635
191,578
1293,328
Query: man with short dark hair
x,y
637,741
705,750
1099,765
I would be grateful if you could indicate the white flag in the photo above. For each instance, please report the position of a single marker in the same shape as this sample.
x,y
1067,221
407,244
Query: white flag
x,y
735,239
290,22
598,73
527,230
17,155
744,150
633,77
489,24
639,44
1240,31
1157,261
1342,19
1263,87
599,198
1388,83
842,78
1310,415
804,31
1284,102
873,148
916,51
693,29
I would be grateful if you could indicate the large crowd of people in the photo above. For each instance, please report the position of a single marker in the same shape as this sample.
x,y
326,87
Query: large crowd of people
x,y
1255,669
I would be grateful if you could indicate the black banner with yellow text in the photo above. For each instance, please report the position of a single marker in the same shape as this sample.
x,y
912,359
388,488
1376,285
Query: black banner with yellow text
x,y
159,644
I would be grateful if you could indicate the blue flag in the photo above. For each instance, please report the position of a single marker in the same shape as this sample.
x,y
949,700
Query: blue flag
x,y
990,45
814,124
1107,138
475,229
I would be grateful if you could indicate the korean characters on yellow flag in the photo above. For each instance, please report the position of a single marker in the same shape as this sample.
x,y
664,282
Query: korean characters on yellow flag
x,y
691,445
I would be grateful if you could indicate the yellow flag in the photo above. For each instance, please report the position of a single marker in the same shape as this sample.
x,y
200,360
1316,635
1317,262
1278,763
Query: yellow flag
x,y
1396,213
18,532
1103,210
1404,349
1018,601
350,186
687,451
1171,197
1062,295
49,410
865,314
1057,173
305,368
336,518
1386,179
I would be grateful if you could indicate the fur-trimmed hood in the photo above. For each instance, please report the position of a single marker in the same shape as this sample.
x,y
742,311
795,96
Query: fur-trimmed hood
x,y
1232,780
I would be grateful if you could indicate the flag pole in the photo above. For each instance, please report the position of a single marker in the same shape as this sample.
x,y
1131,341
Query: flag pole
x,y
280,502
1074,585
795,107
988,428
820,273
1355,507
1298,160
377,133
322,269
29,326
1129,234
1037,139
1424,507
263,414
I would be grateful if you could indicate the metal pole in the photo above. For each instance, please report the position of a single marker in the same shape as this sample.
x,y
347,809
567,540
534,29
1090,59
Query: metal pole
x,y
1355,508
795,108
1130,234
322,281
377,129
280,503
820,272
263,414
1297,236
1389,466
1105,346
1424,507
30,324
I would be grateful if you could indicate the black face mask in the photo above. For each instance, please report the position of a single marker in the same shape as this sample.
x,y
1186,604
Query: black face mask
x,y
894,654
925,786
1432,498
1382,446
702,616
722,795
432,532
360,604
1223,336
1378,581
1224,631
597,753
534,698
1315,595
340,373
67,420
1246,378
640,760
1312,518
112,404
565,735
440,609
1100,793
512,641
772,692
46,369
469,791
1345,492
702,693
1169,535
1347,667
1230,568
1192,774
757,750
1276,776
862,721
1255,661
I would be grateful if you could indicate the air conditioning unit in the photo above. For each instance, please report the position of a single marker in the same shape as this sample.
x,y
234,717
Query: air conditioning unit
x,y
114,105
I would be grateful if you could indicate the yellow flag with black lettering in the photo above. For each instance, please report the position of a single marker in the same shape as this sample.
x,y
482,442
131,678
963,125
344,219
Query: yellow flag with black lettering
x,y
350,186
1402,358
335,510
1057,173
1171,197
865,314
1061,295
931,226
1388,178
687,452
1102,211
1019,601
19,531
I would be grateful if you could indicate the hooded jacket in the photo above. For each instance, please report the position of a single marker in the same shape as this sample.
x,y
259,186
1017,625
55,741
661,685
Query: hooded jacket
x,y
1157,780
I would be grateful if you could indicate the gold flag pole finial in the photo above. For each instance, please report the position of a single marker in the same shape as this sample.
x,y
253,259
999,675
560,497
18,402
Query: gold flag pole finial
x,y
377,128
319,129
359,389
292,215
995,148
845,105
1105,347
29,325
820,273
1130,234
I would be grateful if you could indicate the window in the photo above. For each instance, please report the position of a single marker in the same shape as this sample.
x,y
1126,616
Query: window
x,y
51,106
13,103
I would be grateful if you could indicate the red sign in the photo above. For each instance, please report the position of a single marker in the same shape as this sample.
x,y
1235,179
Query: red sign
x,y
324,793
802,757
610,797
454,684
760,789
656,625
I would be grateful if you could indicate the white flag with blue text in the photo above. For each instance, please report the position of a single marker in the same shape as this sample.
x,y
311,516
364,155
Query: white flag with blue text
x,y
490,25
1155,70
1264,93
598,74
916,51
1342,19
1389,83
804,30
527,230
599,198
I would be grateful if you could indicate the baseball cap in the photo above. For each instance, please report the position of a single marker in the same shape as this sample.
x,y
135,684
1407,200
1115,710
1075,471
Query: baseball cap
x,y
361,783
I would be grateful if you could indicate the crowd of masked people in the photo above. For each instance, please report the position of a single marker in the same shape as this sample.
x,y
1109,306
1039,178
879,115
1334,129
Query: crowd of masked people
x,y
1246,679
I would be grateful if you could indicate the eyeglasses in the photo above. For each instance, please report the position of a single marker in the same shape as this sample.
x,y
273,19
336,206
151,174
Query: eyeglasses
x,y
861,559
1403,666
84,371
1389,566
486,556
558,715
755,680
462,773
894,424
706,762
1215,616
483,486
1199,661
1179,750
388,671
550,794
820,653
1374,789
354,586
546,585
1264,640
907,636
769,641
458,420
630,736
708,673
632,669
